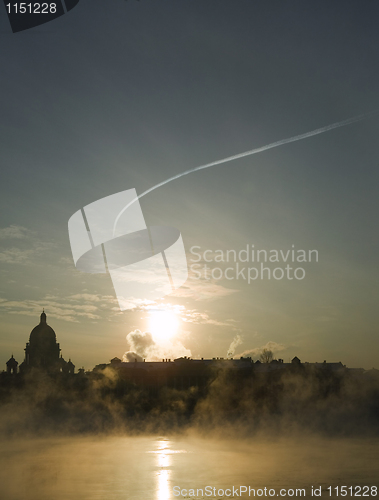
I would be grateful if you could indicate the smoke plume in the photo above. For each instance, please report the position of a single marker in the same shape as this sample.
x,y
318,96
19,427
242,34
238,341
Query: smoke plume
x,y
235,343
143,346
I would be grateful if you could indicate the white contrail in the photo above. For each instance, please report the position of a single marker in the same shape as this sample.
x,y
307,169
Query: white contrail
x,y
272,145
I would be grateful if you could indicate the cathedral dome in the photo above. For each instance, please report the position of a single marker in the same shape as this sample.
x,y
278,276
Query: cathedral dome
x,y
42,332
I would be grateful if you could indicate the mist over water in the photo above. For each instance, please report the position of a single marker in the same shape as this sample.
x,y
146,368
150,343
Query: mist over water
x,y
119,467
100,437
225,403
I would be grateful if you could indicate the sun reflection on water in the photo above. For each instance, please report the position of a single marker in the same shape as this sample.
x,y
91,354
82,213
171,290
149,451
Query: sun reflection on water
x,y
164,456
163,490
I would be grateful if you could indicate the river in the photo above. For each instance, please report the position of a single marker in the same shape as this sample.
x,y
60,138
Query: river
x,y
164,468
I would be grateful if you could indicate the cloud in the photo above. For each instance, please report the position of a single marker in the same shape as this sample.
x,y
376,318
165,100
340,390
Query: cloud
x,y
257,351
15,256
140,342
202,318
142,346
66,309
203,290
131,356
15,232
87,296
29,250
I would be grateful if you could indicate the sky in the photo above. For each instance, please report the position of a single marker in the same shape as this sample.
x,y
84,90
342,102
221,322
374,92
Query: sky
x,y
117,95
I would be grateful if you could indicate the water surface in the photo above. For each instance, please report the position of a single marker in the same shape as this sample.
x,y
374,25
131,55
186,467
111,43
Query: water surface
x,y
118,467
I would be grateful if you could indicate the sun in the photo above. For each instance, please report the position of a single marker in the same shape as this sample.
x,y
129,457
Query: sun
x,y
163,325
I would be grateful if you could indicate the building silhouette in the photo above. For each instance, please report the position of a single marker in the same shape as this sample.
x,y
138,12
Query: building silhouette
x,y
42,352
12,366
183,373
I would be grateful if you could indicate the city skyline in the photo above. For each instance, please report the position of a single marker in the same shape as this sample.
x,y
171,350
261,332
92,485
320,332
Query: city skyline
x,y
131,357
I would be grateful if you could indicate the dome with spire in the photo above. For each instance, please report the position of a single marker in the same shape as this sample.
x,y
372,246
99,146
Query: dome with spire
x,y
42,333
42,352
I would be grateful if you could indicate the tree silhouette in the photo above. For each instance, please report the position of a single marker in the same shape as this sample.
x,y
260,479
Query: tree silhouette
x,y
267,356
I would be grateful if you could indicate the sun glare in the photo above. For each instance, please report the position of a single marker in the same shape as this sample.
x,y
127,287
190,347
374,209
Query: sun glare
x,y
163,325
